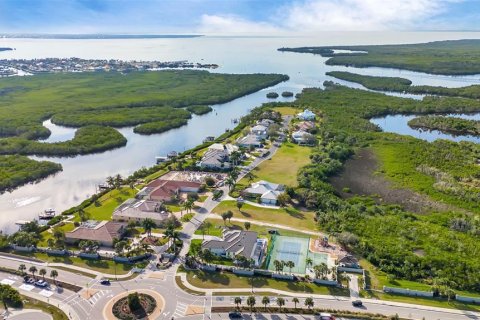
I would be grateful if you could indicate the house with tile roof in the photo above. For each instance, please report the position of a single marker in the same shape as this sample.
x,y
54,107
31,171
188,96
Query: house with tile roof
x,y
267,191
138,210
238,243
104,232
161,190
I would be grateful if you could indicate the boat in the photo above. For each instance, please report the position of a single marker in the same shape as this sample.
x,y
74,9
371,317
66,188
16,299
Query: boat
x,y
47,214
172,154
22,222
209,139
160,159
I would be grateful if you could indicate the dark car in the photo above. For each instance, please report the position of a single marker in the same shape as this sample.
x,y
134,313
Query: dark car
x,y
235,315
357,303
105,282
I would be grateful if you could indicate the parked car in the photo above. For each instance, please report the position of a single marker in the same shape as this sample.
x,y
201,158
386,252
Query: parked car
x,y
273,231
357,303
41,283
28,280
105,282
235,315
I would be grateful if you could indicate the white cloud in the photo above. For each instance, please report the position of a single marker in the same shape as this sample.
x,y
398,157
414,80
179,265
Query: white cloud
x,y
334,15
233,24
353,15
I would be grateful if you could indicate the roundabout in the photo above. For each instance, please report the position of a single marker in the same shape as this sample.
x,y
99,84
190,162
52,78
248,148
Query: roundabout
x,y
151,305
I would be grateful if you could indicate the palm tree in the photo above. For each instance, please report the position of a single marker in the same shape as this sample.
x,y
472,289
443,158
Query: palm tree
x,y
148,224
239,205
51,243
118,181
42,272
307,279
309,261
251,301
110,181
309,303
281,303
321,270
188,205
238,302
247,225
22,268
33,270
250,176
230,182
54,275
206,225
172,235
290,264
265,301
278,265
225,217
295,300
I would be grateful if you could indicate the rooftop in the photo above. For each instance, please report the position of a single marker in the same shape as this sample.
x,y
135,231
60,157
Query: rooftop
x,y
103,231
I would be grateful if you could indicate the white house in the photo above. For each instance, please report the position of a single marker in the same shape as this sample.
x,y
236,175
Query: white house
x,y
306,115
259,131
302,137
217,156
238,243
267,191
249,141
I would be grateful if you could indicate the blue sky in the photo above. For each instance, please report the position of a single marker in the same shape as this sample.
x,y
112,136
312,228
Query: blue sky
x,y
234,16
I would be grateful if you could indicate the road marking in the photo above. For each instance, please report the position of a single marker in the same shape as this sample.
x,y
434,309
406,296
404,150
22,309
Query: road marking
x,y
180,309
26,287
7,281
46,293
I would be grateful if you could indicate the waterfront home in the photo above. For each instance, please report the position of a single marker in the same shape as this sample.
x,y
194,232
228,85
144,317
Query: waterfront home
x,y
259,131
267,192
165,190
139,210
265,122
238,243
104,232
305,125
250,141
306,115
217,157
302,137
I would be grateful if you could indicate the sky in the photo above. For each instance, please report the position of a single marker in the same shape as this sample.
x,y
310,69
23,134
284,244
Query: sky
x,y
235,16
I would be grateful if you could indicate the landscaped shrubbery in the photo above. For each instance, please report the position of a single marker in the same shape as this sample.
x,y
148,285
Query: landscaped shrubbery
x,y
134,306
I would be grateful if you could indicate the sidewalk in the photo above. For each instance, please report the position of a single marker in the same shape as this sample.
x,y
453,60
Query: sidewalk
x,y
248,291
67,266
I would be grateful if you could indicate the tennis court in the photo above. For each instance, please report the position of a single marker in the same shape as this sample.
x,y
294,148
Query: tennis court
x,y
293,249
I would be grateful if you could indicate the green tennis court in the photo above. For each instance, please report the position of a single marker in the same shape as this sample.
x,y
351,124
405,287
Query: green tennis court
x,y
293,249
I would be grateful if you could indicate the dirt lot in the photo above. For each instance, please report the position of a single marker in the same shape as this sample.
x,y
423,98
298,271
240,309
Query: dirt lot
x,y
360,176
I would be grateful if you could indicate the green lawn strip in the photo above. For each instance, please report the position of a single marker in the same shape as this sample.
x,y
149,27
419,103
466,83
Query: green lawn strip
x,y
56,313
68,226
283,166
378,279
243,294
105,266
178,281
227,280
285,216
108,203
216,225
83,273
433,302
202,198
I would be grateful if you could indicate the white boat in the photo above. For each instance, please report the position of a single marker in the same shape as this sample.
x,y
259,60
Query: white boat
x,y
160,159
47,214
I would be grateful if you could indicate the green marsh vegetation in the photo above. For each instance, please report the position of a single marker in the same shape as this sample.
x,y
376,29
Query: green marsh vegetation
x,y
452,125
452,57
438,248
95,102
17,170
396,84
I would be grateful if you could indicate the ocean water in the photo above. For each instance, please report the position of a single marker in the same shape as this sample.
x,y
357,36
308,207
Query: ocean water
x,y
82,174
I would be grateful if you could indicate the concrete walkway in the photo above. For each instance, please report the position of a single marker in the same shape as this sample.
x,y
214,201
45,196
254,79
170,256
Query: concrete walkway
x,y
267,224
353,286
248,291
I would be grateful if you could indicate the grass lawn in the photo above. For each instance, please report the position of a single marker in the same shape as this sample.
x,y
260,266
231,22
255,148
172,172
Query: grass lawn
x,y
56,313
283,166
434,302
287,111
68,226
105,266
216,225
108,203
285,216
227,280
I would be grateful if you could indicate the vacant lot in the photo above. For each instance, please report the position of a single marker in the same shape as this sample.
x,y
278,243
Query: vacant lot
x,y
289,217
283,166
